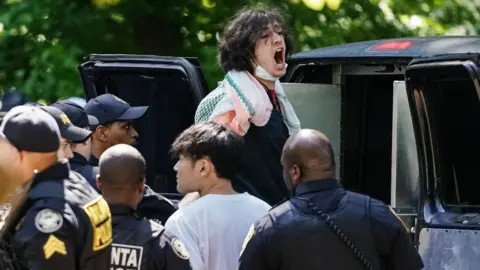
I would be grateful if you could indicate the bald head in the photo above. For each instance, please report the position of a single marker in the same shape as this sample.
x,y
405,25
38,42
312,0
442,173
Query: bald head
x,y
122,171
308,155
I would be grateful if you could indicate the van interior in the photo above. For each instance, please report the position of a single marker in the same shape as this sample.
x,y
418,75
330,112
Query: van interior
x,y
366,127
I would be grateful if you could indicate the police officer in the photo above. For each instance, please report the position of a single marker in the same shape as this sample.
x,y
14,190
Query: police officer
x,y
58,221
115,126
323,226
137,242
82,150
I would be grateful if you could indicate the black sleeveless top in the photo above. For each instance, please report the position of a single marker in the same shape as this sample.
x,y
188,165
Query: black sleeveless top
x,y
262,172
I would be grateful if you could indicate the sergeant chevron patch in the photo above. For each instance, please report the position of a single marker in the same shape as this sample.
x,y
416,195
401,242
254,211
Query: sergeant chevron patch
x,y
52,246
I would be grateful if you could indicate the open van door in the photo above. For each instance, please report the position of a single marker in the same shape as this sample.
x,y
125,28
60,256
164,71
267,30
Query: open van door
x,y
444,96
405,193
318,106
172,87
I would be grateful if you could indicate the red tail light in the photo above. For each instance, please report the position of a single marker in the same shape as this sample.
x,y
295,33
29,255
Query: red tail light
x,y
392,46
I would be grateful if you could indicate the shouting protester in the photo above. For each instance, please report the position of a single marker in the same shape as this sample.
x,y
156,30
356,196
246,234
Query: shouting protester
x,y
251,101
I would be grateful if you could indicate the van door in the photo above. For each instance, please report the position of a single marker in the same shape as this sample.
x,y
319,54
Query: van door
x,y
444,95
405,193
172,87
318,106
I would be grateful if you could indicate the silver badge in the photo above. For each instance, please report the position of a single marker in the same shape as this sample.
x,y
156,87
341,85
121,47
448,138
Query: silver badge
x,y
48,221
180,249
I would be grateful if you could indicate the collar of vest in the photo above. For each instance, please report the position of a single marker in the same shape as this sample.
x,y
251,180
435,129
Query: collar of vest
x,y
316,186
59,170
121,209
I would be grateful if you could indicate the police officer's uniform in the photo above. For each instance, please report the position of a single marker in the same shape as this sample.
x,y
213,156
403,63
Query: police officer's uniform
x,y
63,223
80,118
108,108
364,233
142,244
80,165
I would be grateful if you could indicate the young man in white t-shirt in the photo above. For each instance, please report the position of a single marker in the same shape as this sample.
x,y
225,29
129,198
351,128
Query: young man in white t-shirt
x,y
213,228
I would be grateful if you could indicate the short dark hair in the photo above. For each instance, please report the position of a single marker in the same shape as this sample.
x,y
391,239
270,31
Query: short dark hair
x,y
223,147
237,46
121,166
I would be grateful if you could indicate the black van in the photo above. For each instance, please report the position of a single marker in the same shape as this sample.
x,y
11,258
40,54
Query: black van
x,y
403,116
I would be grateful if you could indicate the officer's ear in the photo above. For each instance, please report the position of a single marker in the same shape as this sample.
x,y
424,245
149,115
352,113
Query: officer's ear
x,y
99,182
101,133
296,175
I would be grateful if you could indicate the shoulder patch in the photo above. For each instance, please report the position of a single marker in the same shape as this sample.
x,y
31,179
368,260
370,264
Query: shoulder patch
x,y
48,221
250,234
180,249
52,246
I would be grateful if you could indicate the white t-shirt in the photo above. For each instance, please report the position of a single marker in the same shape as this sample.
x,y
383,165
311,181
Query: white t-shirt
x,y
213,228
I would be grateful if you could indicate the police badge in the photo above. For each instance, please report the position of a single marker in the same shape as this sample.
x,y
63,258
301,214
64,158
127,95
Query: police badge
x,y
180,249
48,221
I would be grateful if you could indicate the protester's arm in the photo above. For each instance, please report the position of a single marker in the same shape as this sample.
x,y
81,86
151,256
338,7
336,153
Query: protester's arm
x,y
179,228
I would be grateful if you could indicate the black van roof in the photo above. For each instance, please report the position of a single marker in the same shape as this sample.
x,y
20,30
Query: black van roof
x,y
406,48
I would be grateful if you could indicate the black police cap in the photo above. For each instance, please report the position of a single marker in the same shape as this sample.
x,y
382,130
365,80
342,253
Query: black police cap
x,y
30,129
109,108
76,113
67,129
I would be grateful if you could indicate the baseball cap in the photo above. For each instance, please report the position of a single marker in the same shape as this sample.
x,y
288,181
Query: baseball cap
x,y
108,108
67,129
76,113
30,129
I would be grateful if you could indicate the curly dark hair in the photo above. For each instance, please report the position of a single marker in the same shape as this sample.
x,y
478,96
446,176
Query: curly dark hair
x,y
222,146
237,47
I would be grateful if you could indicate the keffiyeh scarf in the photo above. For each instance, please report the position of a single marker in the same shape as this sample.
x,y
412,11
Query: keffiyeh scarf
x,y
240,100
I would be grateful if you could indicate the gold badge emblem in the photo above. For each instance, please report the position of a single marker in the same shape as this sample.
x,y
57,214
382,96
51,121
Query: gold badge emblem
x,y
52,246
180,249
65,119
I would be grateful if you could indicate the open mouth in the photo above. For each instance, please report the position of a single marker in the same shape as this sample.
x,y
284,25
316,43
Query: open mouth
x,y
279,56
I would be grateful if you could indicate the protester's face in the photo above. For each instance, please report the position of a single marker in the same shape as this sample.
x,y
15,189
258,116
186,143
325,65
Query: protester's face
x,y
188,174
65,149
10,170
270,51
122,132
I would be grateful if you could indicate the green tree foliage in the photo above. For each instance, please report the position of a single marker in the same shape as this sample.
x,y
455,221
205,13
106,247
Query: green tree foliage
x,y
42,41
